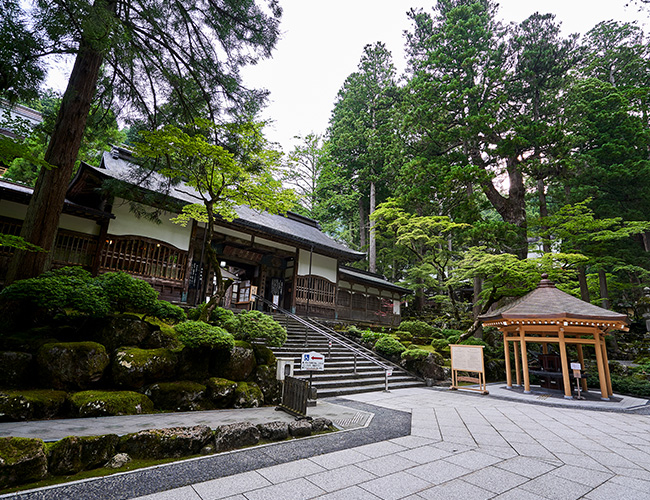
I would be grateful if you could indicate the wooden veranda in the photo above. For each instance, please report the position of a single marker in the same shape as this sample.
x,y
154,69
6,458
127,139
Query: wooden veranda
x,y
549,316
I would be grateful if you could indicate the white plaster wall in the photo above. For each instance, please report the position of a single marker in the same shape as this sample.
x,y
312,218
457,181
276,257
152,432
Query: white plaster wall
x,y
321,265
69,222
231,232
275,244
127,224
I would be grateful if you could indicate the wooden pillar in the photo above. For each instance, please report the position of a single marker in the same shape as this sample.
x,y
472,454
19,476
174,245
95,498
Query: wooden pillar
x,y
581,360
606,365
524,360
506,349
604,394
565,365
544,346
516,346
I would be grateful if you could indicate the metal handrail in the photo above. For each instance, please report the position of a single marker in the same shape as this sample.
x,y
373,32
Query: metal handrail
x,y
319,330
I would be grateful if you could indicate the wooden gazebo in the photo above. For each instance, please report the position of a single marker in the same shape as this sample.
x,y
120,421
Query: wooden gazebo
x,y
549,316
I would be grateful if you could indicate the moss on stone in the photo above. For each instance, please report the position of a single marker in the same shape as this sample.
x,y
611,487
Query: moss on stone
x,y
180,396
22,460
72,365
134,367
107,403
74,454
264,355
243,344
32,404
248,395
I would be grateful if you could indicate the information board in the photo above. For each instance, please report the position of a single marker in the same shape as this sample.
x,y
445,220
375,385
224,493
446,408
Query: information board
x,y
312,361
468,359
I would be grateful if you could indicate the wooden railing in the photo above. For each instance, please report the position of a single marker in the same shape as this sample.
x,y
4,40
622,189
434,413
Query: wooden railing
x,y
74,249
143,257
315,290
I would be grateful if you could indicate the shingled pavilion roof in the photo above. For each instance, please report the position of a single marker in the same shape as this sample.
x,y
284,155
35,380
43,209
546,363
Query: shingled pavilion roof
x,y
547,302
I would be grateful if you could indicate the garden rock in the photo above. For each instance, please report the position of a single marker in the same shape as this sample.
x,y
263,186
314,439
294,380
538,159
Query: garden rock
x,y
194,364
133,367
74,454
274,431
320,424
248,395
15,368
265,378
125,330
72,365
109,403
179,396
118,461
31,405
22,460
237,366
301,428
263,355
232,436
429,367
173,442
221,391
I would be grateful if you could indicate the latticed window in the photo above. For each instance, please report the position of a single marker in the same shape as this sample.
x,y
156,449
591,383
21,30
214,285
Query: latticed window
x,y
143,257
343,299
318,290
74,248
374,304
358,301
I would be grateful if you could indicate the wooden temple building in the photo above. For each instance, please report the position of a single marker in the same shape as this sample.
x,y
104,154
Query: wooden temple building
x,y
286,259
551,318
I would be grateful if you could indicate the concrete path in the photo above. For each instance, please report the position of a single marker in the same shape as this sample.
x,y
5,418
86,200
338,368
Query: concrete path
x,y
466,447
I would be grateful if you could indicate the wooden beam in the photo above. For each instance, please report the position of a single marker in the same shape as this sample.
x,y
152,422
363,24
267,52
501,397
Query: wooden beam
x,y
606,364
604,394
516,345
565,366
506,349
524,360
581,360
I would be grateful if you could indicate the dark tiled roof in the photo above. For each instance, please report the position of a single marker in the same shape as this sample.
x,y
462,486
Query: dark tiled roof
x,y
548,302
292,227
371,279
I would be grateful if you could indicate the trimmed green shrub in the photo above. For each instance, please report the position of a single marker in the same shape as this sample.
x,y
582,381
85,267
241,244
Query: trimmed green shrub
x,y
257,325
448,333
65,288
415,354
126,293
199,334
440,344
417,328
404,336
167,312
389,346
354,331
372,337
224,318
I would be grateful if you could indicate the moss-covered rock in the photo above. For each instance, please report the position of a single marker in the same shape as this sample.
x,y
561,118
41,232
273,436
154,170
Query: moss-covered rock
x,y
173,442
194,364
430,366
248,395
74,454
265,378
22,460
72,365
179,396
264,355
237,365
221,391
273,431
133,367
300,428
108,403
32,404
123,330
16,368
238,435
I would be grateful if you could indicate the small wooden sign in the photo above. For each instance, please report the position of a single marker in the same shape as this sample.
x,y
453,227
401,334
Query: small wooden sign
x,y
468,359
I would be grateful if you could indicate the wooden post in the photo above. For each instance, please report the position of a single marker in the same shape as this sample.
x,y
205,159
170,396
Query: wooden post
x,y
606,365
581,360
524,360
565,365
516,346
604,395
506,349
544,346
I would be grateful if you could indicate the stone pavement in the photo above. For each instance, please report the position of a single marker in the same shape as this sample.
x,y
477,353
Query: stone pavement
x,y
460,445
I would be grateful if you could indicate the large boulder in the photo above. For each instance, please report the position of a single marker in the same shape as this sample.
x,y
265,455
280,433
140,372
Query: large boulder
x,y
124,330
72,365
265,378
232,436
179,396
300,428
74,454
194,364
173,442
273,431
109,403
221,391
263,355
16,368
236,365
22,460
430,366
248,395
32,405
133,367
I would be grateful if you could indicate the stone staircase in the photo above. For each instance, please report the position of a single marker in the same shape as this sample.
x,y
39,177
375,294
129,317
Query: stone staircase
x,y
339,376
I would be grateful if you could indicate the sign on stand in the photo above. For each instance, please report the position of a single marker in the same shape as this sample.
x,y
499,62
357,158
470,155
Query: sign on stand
x,y
312,361
468,359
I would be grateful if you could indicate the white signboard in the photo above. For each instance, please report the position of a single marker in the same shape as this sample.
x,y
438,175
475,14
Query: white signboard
x,y
312,361
467,358
576,366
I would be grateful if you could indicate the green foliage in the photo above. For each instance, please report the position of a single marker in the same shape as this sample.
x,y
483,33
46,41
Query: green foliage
x,y
11,241
415,354
389,346
224,318
371,337
417,328
257,325
167,312
355,331
126,293
195,334
440,345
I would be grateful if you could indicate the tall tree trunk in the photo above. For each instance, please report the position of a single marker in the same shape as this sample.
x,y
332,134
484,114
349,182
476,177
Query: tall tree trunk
x,y
476,308
582,280
362,224
604,293
45,207
372,242
543,212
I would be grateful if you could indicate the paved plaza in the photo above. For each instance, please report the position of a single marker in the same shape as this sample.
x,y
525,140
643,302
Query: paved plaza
x,y
459,445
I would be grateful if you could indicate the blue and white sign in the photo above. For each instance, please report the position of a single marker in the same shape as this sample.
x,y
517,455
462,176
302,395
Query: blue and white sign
x,y
312,361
